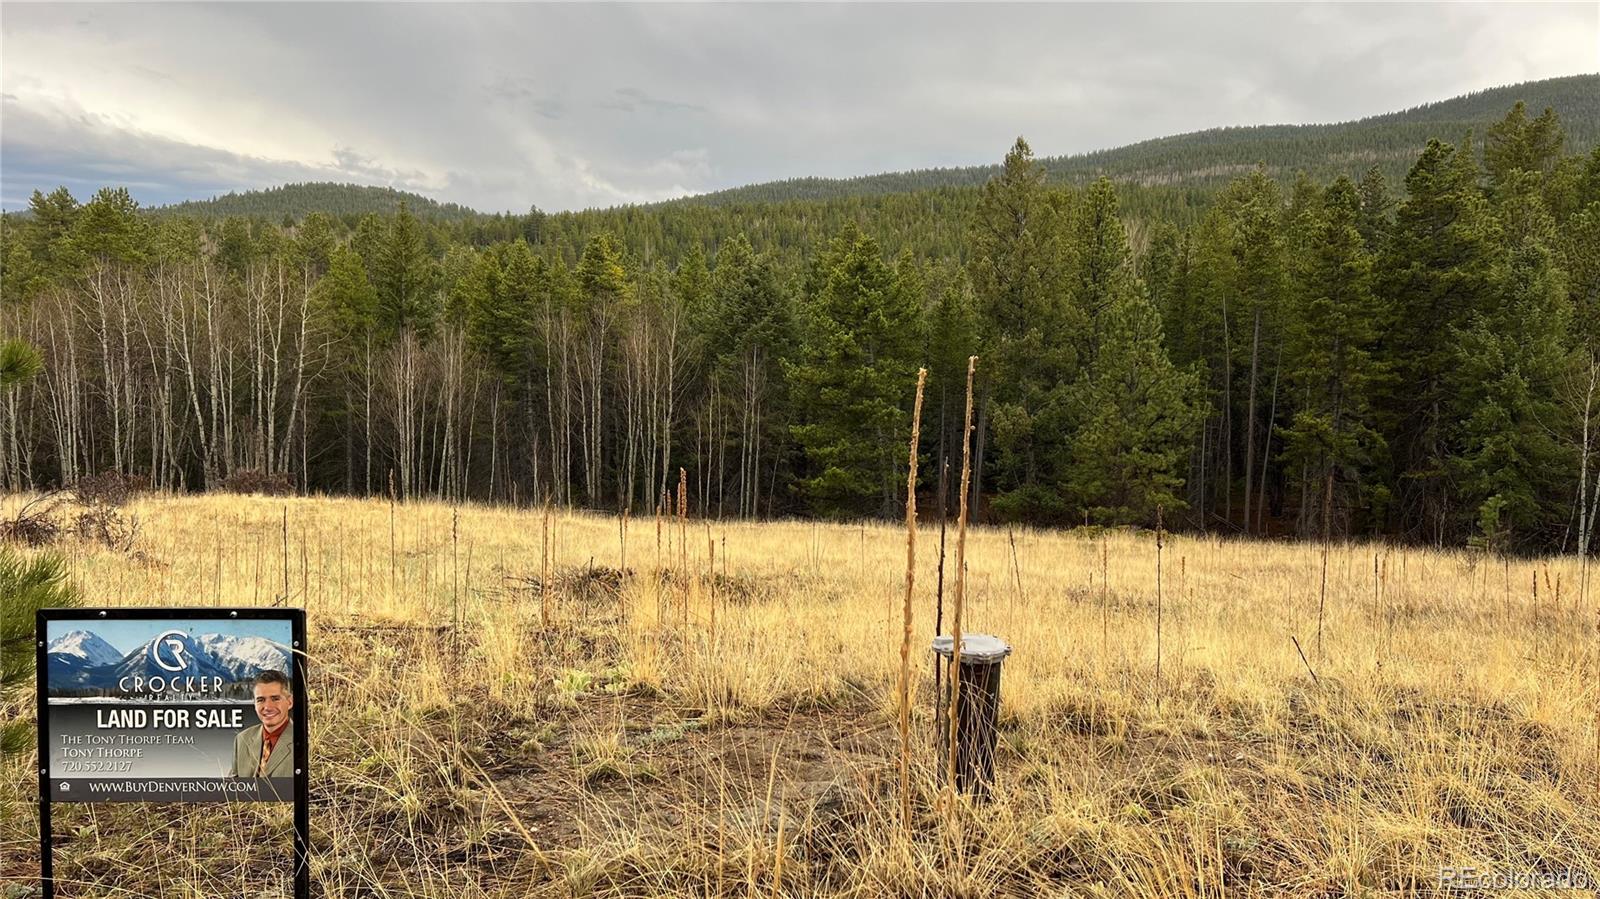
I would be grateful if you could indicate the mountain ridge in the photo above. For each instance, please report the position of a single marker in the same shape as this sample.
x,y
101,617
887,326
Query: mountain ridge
x,y
1399,136
1202,159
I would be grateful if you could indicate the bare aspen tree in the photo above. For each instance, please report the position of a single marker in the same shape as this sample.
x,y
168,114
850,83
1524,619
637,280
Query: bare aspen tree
x,y
1584,390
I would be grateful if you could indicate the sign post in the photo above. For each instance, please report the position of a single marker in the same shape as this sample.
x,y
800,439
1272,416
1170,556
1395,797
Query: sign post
x,y
173,705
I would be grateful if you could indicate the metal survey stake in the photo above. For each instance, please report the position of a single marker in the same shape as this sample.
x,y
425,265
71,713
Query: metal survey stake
x,y
172,705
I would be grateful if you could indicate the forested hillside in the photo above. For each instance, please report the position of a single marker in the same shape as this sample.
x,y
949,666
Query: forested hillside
x,y
1416,358
1211,158
293,202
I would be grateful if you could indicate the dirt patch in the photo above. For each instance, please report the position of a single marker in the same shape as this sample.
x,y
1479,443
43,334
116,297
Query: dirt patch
x,y
590,585
523,797
651,759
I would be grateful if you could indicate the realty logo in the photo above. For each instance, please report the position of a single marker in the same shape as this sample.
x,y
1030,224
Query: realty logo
x,y
173,640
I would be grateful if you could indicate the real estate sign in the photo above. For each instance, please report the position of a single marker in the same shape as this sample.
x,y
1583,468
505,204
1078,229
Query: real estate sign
x,y
189,709
172,705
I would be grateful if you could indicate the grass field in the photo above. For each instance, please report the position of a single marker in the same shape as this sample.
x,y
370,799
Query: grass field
x,y
709,709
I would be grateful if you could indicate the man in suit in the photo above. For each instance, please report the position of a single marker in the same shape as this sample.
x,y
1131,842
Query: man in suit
x,y
267,749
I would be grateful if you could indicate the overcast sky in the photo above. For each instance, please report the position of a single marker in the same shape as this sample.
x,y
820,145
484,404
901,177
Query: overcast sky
x,y
506,106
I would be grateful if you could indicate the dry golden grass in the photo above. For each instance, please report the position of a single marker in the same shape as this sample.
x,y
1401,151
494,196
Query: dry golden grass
x,y
631,749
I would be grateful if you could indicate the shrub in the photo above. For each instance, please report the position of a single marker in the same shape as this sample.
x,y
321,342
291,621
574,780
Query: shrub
x,y
254,481
109,488
34,524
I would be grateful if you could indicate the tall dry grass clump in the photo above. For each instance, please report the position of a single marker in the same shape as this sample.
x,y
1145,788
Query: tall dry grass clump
x,y
906,611
953,710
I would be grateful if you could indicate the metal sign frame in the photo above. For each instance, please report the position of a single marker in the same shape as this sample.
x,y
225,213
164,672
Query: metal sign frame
x,y
298,714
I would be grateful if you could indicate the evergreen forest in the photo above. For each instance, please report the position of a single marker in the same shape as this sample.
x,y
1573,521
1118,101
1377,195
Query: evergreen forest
x,y
1394,338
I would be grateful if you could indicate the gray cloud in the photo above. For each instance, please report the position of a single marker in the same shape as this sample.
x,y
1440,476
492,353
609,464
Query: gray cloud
x,y
504,106
85,152
630,98
524,92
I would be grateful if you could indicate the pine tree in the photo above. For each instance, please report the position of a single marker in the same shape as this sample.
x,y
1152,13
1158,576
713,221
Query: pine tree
x,y
1332,442
54,216
404,276
109,228
1589,182
1016,264
1039,436
314,241
236,249
1302,218
1579,244
345,306
1511,358
459,275
952,336
1169,278
367,239
1239,267
28,583
691,292
853,379
345,300
1440,272
1161,269
1259,248
1376,204
19,363
600,270
1101,268
45,252
505,316
1137,417
1562,188
475,292
691,282
749,331
1517,144
1207,315
1019,265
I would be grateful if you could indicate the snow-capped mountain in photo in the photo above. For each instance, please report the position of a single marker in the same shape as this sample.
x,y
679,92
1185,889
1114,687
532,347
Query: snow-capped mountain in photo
x,y
174,649
72,656
244,656
82,659
87,647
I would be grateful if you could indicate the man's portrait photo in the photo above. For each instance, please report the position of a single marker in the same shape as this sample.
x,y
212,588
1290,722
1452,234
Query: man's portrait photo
x,y
267,749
